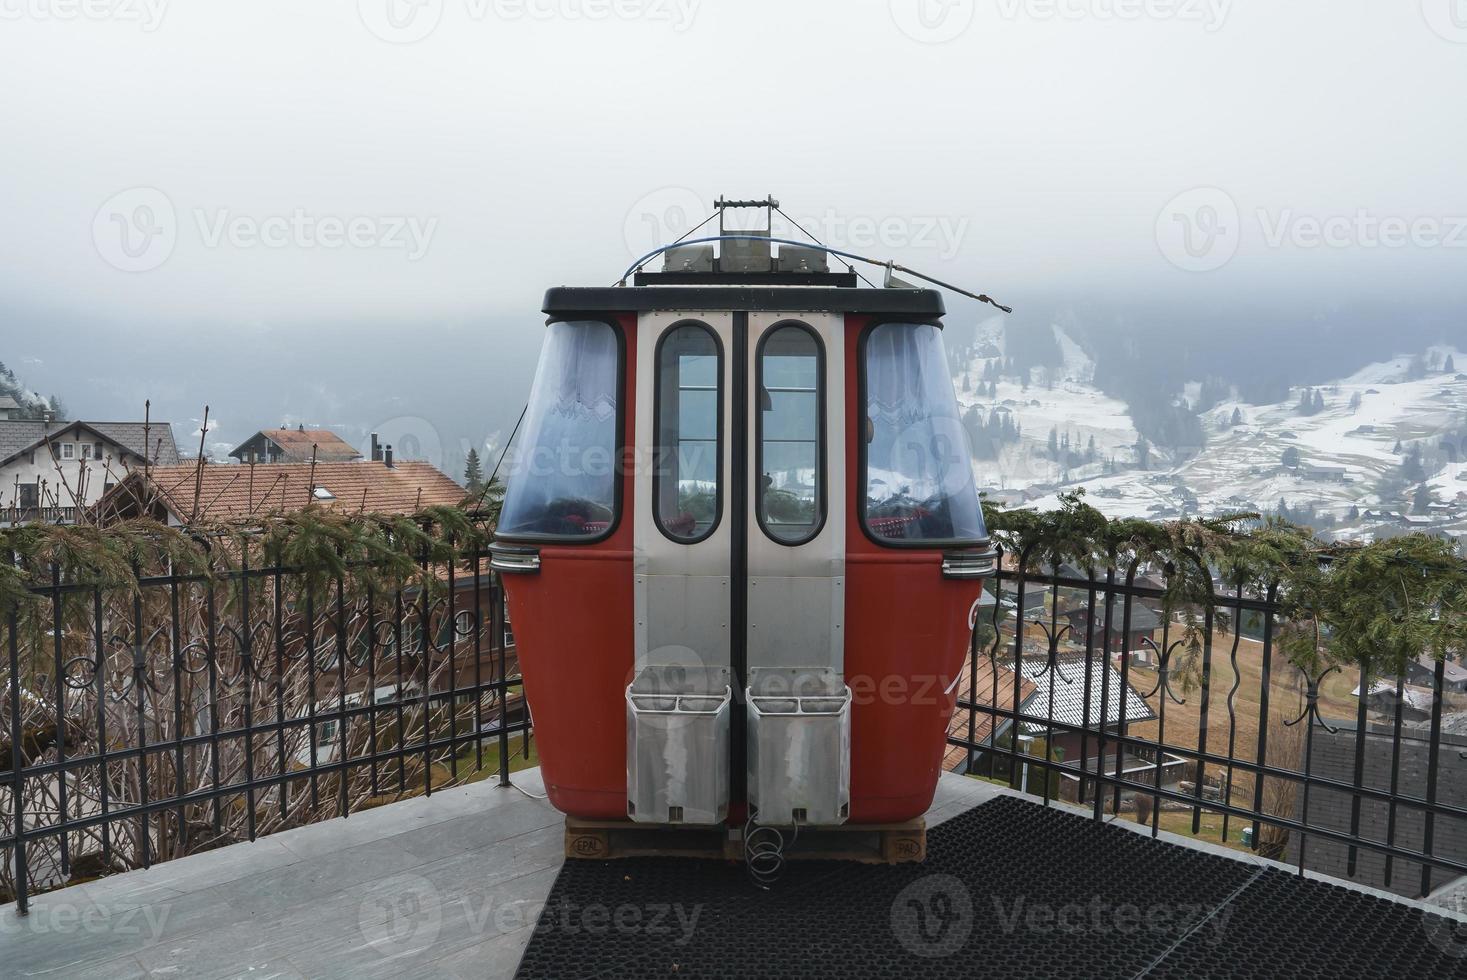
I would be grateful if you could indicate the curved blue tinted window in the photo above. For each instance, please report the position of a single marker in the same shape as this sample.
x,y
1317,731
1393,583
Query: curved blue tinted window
x,y
919,472
562,478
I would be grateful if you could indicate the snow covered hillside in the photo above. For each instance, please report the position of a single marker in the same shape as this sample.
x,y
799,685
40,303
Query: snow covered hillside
x,y
1351,455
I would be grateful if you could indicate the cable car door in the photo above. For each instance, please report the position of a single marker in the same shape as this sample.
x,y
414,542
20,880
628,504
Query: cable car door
x,y
680,697
798,705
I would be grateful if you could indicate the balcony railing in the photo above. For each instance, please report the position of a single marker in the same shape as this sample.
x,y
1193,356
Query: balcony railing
x,y
1200,726
45,515
183,711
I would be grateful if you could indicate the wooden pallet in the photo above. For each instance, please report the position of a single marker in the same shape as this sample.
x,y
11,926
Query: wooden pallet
x,y
601,840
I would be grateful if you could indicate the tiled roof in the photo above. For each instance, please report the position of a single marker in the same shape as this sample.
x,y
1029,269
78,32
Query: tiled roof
x,y
230,491
299,444
1454,672
1069,698
980,677
19,436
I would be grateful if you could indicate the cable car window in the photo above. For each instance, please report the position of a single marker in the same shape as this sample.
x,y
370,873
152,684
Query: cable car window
x,y
686,493
918,469
790,496
562,480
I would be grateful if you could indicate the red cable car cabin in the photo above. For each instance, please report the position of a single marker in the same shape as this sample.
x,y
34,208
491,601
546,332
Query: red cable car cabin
x,y
741,542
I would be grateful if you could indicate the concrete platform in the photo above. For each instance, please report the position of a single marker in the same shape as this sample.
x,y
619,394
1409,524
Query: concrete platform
x,y
450,885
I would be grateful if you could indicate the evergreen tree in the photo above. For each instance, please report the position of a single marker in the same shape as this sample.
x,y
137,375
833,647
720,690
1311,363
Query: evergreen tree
x,y
1354,512
1355,402
1291,457
1411,469
1451,366
1422,500
1237,419
473,473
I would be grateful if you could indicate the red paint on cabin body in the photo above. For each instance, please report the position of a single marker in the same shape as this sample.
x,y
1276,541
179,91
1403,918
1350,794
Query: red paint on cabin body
x,y
906,636
573,626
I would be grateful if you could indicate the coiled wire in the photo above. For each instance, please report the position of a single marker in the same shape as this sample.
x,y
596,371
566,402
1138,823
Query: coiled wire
x,y
764,852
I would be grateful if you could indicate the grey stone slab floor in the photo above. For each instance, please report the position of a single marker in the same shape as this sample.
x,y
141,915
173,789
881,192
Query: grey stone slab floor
x,y
446,886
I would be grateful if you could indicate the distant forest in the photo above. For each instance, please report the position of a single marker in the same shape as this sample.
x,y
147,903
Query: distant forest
x,y
32,406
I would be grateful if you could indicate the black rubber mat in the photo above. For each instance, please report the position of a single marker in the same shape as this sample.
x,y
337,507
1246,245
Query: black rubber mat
x,y
1009,889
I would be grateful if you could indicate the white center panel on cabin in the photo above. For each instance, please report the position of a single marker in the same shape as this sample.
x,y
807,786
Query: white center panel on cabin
x,y
680,698
798,704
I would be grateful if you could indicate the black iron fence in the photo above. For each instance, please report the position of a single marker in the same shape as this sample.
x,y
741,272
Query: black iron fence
x,y
184,711
1097,688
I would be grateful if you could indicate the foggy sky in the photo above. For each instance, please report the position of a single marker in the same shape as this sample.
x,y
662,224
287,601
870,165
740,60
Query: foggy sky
x,y
1026,148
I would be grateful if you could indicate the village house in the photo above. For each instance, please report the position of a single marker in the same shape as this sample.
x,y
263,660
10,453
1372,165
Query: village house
x,y
1324,474
50,470
298,445
1422,672
1126,635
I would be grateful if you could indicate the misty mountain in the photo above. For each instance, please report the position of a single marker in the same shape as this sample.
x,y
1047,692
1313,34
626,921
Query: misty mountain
x,y
433,389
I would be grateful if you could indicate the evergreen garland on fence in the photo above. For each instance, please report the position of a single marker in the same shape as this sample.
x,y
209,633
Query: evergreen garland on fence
x,y
1376,606
316,546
